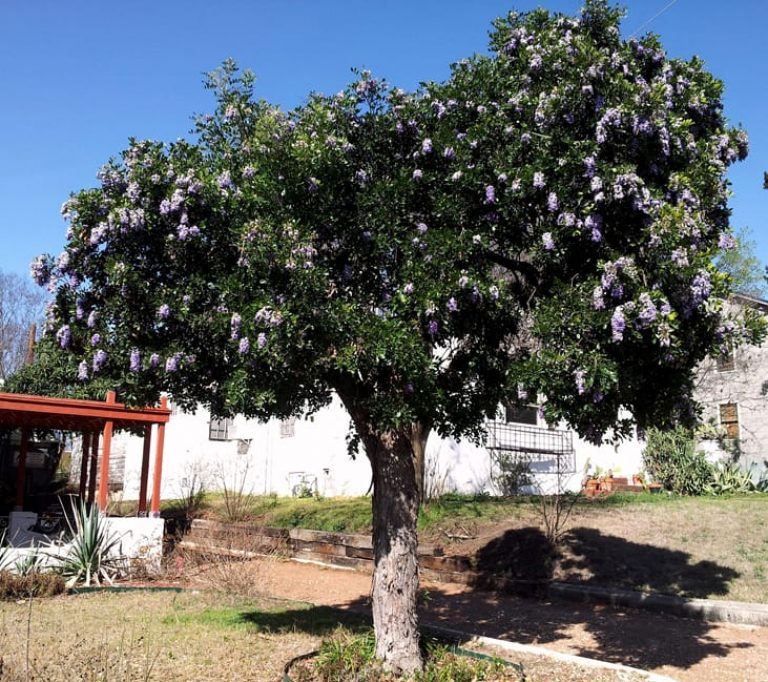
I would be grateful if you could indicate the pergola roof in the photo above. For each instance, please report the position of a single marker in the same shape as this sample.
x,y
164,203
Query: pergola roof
x,y
67,414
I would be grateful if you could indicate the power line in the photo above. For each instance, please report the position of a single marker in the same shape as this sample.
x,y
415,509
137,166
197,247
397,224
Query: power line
x,y
653,18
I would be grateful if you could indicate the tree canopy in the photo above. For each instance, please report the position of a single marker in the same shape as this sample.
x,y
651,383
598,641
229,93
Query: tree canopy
x,y
543,223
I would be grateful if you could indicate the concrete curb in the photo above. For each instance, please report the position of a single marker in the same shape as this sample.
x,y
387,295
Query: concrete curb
x,y
515,647
743,613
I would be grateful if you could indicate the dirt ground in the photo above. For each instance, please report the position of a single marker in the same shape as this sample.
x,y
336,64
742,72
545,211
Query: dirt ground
x,y
684,649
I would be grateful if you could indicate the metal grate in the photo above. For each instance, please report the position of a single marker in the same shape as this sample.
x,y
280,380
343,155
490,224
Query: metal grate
x,y
542,447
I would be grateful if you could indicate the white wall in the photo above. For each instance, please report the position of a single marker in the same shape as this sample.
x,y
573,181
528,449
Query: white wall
x,y
275,463
271,463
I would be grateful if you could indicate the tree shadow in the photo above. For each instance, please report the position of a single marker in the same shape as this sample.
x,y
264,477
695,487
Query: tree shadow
x,y
595,558
316,620
522,561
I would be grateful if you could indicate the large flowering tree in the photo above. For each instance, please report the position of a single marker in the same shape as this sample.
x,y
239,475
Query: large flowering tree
x,y
542,224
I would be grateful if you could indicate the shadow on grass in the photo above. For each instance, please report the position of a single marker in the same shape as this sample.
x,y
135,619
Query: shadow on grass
x,y
607,560
315,620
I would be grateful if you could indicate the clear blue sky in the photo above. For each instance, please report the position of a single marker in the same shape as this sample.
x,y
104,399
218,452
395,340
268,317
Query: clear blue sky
x,y
78,78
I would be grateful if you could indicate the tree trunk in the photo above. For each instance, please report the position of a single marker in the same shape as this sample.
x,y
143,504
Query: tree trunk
x,y
419,435
395,559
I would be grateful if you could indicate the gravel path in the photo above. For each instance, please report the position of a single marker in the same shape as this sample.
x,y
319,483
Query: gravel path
x,y
686,650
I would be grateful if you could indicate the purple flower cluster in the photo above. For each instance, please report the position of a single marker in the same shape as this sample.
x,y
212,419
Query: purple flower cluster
x,y
64,336
701,287
163,312
618,324
82,371
234,325
135,364
99,358
172,363
579,377
244,347
547,241
261,340
648,311
490,194
539,182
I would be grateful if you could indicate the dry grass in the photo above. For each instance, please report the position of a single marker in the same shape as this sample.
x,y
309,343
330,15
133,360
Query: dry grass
x,y
164,636
142,636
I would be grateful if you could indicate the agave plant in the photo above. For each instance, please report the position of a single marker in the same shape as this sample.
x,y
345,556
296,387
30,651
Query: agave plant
x,y
92,555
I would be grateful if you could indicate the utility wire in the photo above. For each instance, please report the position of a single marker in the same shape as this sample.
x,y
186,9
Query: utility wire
x,y
652,19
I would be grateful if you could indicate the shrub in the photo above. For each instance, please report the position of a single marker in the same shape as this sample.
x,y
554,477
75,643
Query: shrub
x,y
510,474
91,551
672,459
34,584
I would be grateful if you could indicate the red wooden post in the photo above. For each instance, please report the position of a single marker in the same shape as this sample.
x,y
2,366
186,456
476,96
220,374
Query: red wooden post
x,y
84,464
145,471
105,451
21,469
93,466
157,474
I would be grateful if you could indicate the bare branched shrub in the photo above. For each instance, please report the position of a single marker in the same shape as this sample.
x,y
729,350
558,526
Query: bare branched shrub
x,y
233,564
435,480
556,504
192,488
238,495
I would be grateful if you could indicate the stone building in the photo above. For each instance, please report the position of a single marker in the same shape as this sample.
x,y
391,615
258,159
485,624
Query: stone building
x,y
732,390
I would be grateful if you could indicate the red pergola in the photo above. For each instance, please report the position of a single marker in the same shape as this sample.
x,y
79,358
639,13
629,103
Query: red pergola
x,y
90,418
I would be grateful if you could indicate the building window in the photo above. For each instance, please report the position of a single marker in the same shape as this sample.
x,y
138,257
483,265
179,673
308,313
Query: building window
x,y
729,419
219,429
288,427
521,415
725,361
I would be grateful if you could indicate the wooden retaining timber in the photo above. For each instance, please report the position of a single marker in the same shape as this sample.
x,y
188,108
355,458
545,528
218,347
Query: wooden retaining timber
x,y
337,549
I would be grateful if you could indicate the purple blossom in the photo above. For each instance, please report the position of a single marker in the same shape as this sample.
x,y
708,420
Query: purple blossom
x,y
234,324
361,177
590,166
578,378
163,312
648,311
593,223
418,174
261,340
408,289
64,336
99,358
426,146
39,270
154,361
172,363
421,228
618,324
547,241
165,207
680,257
135,361
726,241
433,327
490,194
493,292
449,153
82,371
597,299
96,339
225,181
79,309
701,287
244,347
452,305
463,281
538,180
249,172
552,202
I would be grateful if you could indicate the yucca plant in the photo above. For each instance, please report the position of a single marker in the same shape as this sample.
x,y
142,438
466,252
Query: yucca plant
x,y
91,557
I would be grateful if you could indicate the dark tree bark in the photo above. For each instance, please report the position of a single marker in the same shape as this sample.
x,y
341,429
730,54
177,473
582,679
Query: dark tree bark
x,y
396,567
